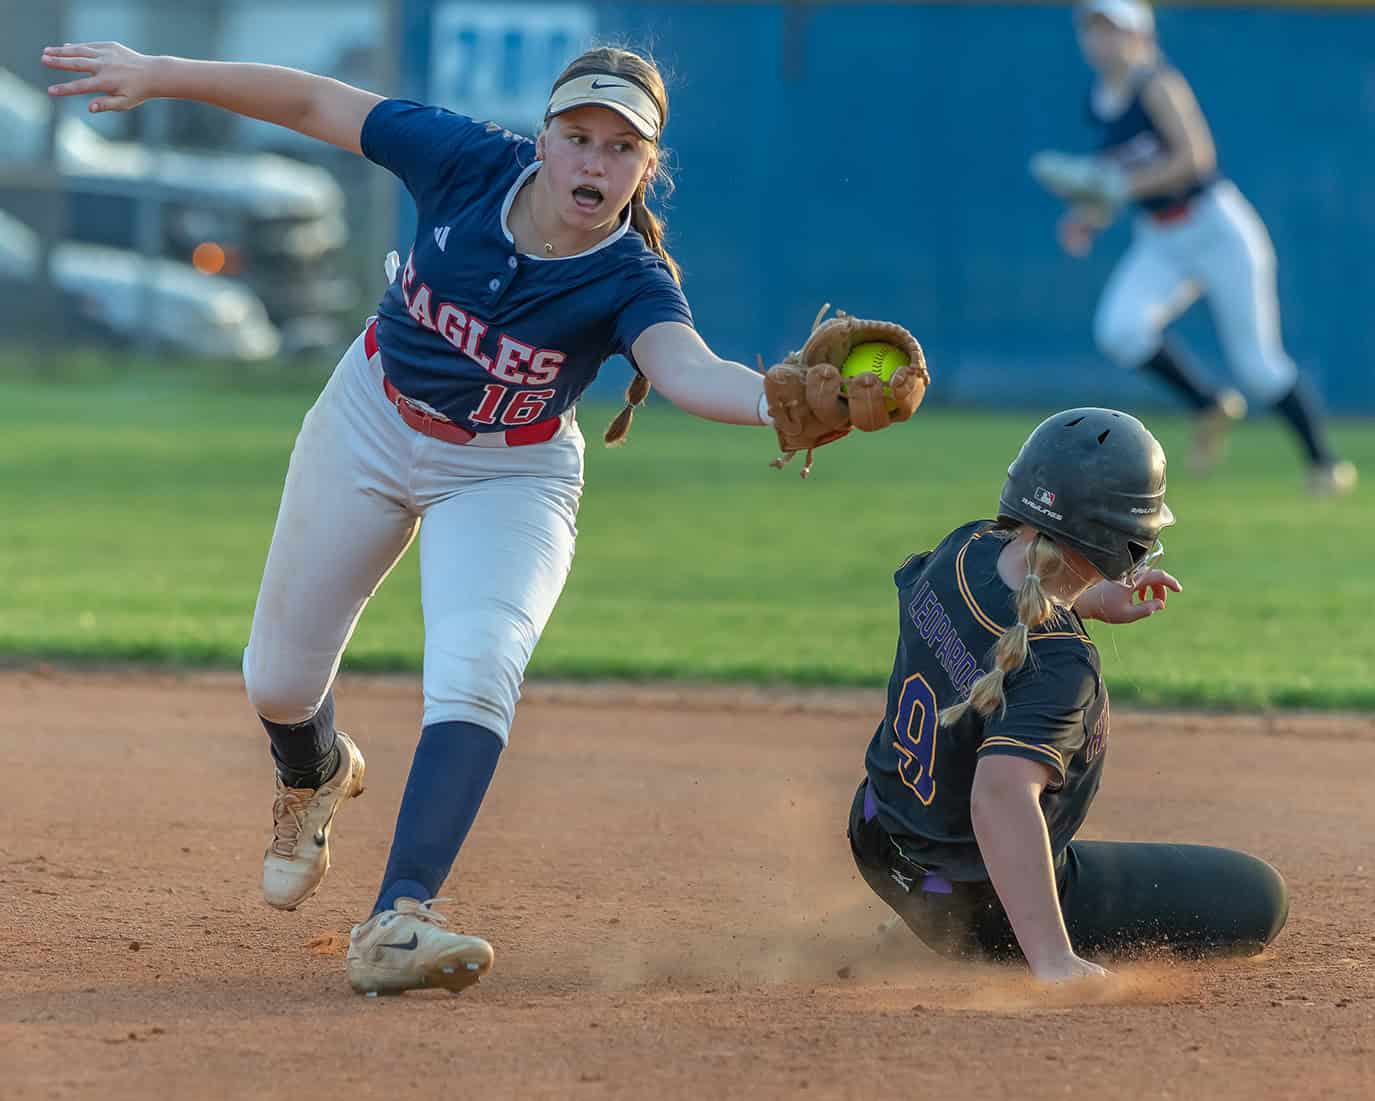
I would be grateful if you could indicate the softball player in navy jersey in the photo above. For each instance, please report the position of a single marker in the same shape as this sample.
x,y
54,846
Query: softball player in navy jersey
x,y
1195,235
997,726
533,262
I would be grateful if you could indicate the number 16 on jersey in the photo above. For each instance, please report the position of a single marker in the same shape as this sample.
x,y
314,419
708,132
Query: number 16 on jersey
x,y
914,737
525,407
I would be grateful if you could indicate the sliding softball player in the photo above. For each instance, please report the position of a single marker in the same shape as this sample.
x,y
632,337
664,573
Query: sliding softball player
x,y
1194,235
997,727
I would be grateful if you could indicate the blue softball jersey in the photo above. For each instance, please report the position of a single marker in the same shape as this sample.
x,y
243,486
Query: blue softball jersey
x,y
1129,135
487,335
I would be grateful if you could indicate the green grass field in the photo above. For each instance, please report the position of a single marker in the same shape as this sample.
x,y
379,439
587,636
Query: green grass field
x,y
136,511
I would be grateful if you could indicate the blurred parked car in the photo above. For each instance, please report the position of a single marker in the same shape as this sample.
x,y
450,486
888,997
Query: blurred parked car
x,y
273,222
114,297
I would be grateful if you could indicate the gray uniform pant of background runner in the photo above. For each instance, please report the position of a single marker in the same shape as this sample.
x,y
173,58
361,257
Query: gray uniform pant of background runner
x,y
1220,250
496,525
1118,898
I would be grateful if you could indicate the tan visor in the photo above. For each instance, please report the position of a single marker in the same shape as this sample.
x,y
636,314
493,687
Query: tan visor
x,y
625,97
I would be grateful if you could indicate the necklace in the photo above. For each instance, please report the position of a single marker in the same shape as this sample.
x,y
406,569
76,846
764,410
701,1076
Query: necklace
x,y
529,214
548,245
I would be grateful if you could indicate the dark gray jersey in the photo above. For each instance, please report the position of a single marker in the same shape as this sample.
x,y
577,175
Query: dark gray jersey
x,y
953,607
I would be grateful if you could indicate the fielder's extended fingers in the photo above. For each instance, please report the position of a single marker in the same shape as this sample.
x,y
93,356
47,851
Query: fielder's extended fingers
x,y
79,87
78,49
72,64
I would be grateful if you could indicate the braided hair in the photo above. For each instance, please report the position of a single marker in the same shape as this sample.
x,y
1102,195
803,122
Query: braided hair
x,y
1034,607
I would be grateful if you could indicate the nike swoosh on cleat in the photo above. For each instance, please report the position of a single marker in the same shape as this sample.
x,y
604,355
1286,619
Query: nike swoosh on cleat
x,y
320,833
408,946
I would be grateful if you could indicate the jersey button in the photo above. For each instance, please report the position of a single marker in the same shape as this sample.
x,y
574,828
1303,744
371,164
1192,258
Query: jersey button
x,y
511,263
494,285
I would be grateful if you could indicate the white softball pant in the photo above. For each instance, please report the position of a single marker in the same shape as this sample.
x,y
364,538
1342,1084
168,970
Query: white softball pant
x,y
1221,250
497,528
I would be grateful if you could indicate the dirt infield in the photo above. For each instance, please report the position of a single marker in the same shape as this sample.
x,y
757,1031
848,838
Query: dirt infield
x,y
665,879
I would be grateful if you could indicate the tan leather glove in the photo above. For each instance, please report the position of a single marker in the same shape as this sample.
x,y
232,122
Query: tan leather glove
x,y
803,392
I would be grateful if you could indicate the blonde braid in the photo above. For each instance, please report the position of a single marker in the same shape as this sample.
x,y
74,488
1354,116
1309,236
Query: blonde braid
x,y
1034,607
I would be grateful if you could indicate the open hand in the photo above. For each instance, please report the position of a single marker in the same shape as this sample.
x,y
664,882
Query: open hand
x,y
120,78
1113,603
1075,235
1069,968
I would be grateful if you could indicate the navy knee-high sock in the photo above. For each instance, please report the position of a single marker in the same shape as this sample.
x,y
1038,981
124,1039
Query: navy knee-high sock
x,y
1173,367
306,753
453,765
1300,408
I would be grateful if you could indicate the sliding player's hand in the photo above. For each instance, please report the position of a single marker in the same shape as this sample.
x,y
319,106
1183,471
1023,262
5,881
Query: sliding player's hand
x,y
1112,602
1069,968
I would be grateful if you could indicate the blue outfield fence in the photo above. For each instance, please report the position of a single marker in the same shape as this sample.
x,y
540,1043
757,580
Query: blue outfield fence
x,y
874,155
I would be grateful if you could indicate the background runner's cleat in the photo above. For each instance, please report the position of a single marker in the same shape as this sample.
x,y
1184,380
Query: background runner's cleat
x,y
1214,425
1332,480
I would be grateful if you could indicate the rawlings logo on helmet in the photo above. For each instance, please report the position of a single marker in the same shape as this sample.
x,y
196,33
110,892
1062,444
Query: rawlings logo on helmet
x,y
1037,507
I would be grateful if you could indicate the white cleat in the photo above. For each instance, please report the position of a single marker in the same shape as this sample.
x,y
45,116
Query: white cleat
x,y
1332,480
409,948
298,858
1213,428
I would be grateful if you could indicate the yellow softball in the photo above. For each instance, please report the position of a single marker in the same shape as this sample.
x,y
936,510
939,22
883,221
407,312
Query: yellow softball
x,y
877,358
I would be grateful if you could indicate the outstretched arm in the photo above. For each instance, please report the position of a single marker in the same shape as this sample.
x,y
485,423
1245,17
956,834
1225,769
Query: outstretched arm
x,y
698,381
120,79
1015,845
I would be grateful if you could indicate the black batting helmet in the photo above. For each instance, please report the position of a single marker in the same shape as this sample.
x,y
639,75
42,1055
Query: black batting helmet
x,y
1093,480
